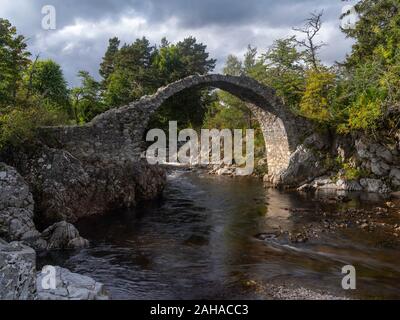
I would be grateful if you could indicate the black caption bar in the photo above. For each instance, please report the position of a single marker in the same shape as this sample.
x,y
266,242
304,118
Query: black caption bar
x,y
160,310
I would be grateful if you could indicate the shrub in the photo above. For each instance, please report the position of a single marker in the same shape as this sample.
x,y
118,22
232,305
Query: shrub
x,y
19,125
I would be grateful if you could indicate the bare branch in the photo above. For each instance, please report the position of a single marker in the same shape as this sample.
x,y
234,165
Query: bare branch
x,y
311,29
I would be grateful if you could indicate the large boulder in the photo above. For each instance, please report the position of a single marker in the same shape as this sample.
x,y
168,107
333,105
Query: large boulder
x,y
16,217
395,177
16,206
379,167
345,185
18,271
68,286
317,141
374,186
63,235
65,188
304,165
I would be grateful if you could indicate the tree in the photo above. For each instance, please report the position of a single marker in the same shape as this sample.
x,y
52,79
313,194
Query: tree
x,y
316,101
108,64
168,63
281,68
311,29
233,66
194,57
174,62
86,99
376,33
249,59
46,79
14,58
132,75
31,93
372,85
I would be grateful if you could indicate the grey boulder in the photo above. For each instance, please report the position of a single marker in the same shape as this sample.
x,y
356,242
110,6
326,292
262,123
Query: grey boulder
x,y
374,186
68,286
63,235
16,206
17,271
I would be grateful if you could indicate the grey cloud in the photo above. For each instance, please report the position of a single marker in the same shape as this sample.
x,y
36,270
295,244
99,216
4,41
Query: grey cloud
x,y
234,22
228,12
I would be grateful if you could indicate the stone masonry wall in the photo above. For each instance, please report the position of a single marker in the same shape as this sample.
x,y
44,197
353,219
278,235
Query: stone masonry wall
x,y
118,134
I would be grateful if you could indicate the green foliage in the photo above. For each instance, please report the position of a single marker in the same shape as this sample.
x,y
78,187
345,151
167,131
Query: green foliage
x,y
14,58
351,173
281,68
233,66
108,64
348,170
86,99
372,86
45,79
364,113
376,33
225,117
317,98
19,126
174,62
32,93
129,72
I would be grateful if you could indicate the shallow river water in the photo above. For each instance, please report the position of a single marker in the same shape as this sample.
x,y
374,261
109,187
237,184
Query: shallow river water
x,y
199,242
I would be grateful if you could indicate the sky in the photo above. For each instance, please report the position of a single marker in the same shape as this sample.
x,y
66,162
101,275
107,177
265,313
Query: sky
x,y
83,27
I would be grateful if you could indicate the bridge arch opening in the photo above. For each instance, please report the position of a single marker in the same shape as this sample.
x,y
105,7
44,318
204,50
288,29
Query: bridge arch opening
x,y
280,128
117,134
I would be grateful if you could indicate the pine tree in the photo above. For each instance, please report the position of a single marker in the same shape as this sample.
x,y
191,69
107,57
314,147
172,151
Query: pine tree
x,y
107,66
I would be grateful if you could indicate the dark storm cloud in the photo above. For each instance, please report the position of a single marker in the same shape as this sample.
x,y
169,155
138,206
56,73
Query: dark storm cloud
x,y
189,13
228,12
226,26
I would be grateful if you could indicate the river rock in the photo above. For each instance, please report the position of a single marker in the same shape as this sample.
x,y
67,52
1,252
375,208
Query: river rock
x,y
382,152
63,235
69,286
346,185
374,186
379,167
362,149
17,271
324,183
16,206
370,150
225,171
304,165
317,141
395,177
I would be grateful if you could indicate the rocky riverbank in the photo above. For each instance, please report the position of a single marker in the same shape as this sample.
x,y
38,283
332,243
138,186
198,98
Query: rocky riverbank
x,y
46,190
65,187
19,279
341,163
358,164
380,222
17,217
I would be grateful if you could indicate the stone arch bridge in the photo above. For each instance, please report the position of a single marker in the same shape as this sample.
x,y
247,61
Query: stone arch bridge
x,y
117,134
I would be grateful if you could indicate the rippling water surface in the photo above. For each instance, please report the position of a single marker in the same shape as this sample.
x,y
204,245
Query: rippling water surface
x,y
199,242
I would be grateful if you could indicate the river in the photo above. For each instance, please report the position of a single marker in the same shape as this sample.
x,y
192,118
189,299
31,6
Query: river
x,y
200,242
